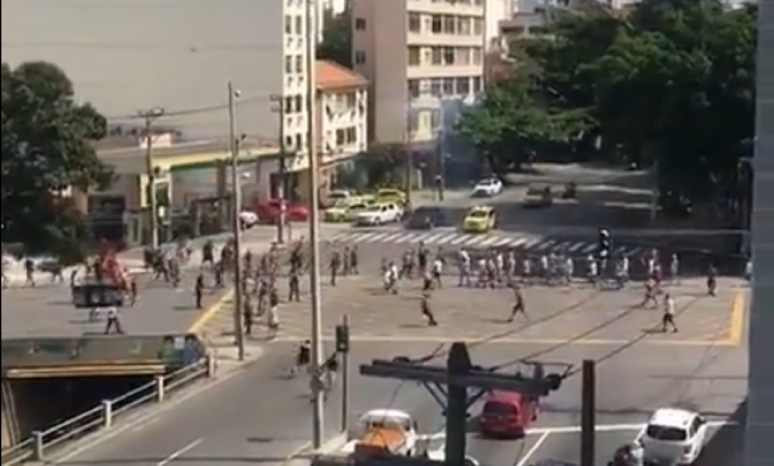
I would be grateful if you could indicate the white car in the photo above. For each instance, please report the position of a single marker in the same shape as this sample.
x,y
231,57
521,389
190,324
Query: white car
x,y
379,214
673,436
248,219
487,188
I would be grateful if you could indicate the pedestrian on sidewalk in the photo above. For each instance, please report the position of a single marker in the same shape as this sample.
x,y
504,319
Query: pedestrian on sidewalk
x,y
113,322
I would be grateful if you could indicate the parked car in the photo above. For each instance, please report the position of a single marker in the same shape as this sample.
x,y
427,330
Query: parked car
x,y
391,195
508,414
487,187
379,214
269,211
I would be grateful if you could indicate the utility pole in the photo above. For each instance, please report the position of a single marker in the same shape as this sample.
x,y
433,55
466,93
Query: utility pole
x,y
452,382
282,172
149,117
588,413
316,382
409,153
440,180
234,143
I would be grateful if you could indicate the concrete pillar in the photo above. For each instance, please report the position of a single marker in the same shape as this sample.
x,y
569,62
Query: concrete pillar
x,y
37,446
107,413
160,388
221,183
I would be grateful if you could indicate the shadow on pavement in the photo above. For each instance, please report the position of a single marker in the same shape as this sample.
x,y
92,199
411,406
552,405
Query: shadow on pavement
x,y
726,446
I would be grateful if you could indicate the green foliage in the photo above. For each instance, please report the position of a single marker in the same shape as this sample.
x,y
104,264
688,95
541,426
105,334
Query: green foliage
x,y
671,82
47,147
337,38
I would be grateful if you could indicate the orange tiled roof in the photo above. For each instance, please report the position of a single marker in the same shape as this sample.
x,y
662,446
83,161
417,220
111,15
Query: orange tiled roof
x,y
331,75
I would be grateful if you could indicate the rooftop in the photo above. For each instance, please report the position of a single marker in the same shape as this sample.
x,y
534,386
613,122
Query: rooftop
x,y
332,76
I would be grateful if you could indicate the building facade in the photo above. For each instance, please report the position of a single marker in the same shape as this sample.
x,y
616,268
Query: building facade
x,y
417,54
124,56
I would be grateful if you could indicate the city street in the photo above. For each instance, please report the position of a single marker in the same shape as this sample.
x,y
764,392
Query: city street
x,y
260,415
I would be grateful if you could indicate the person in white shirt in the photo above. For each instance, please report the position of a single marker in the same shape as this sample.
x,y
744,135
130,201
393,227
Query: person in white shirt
x,y
668,318
437,270
464,279
748,270
113,322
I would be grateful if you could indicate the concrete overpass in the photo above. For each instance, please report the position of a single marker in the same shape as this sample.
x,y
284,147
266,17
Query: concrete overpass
x,y
48,380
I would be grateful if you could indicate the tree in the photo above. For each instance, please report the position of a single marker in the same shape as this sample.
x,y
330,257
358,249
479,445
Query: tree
x,y
337,38
510,126
47,148
669,83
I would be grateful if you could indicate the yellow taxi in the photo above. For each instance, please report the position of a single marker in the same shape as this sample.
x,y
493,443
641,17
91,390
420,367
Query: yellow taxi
x,y
345,210
390,196
480,219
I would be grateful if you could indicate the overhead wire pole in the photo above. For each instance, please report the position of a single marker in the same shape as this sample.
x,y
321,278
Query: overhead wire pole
x,y
280,109
314,223
236,200
409,153
149,117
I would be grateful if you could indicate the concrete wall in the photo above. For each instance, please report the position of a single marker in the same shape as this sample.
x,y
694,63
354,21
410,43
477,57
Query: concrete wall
x,y
128,55
760,422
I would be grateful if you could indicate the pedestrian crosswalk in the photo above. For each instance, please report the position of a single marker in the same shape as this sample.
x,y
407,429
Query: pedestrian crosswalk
x,y
534,243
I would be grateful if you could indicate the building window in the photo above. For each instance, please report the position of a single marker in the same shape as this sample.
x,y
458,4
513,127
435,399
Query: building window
x,y
289,140
437,56
360,24
436,87
462,56
299,143
478,26
414,58
435,119
476,56
288,104
360,57
477,84
437,25
288,24
448,55
300,25
448,86
299,103
299,64
463,86
413,88
351,135
414,22
449,24
288,64
463,25
341,137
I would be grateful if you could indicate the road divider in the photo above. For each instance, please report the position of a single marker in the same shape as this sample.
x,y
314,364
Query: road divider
x,y
42,443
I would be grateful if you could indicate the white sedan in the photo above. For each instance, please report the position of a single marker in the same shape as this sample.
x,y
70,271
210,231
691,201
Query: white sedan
x,y
673,436
487,188
379,214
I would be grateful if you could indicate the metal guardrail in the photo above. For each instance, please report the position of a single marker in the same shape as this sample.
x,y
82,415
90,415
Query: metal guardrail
x,y
41,443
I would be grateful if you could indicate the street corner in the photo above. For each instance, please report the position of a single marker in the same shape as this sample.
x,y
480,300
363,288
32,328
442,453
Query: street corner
x,y
562,446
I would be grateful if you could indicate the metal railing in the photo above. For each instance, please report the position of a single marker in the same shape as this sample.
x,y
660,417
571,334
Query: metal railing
x,y
41,443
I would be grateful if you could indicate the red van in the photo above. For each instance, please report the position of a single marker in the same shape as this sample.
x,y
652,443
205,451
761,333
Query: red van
x,y
507,414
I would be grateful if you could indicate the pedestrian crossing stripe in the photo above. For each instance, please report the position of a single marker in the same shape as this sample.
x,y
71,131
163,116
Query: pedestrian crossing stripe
x,y
531,242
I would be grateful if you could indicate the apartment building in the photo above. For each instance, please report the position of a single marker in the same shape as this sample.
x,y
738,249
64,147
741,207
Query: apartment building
x,y
417,54
342,115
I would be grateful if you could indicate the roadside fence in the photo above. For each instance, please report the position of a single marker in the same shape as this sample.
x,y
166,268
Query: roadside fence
x,y
42,443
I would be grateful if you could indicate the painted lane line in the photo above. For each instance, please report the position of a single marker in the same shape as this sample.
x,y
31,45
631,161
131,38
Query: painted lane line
x,y
180,452
534,449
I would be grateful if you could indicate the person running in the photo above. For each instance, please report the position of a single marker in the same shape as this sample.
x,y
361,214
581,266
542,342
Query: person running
x,y
518,305
668,317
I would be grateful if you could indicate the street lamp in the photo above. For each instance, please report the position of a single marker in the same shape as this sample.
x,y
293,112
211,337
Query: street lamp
x,y
279,100
236,201
149,117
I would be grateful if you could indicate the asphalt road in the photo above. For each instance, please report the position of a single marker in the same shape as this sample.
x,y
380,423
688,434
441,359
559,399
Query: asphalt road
x,y
259,416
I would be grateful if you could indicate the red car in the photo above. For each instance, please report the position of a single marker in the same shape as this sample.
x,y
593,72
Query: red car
x,y
269,211
507,414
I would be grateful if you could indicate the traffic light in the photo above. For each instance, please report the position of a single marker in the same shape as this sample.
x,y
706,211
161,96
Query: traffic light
x,y
342,338
604,243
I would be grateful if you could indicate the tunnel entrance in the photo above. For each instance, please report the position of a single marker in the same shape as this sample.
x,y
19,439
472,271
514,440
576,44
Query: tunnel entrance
x,y
41,403
46,381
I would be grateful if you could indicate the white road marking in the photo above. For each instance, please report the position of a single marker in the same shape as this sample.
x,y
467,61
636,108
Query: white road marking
x,y
610,428
502,242
395,237
576,247
178,453
489,241
434,238
531,452
589,247
458,239
546,245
